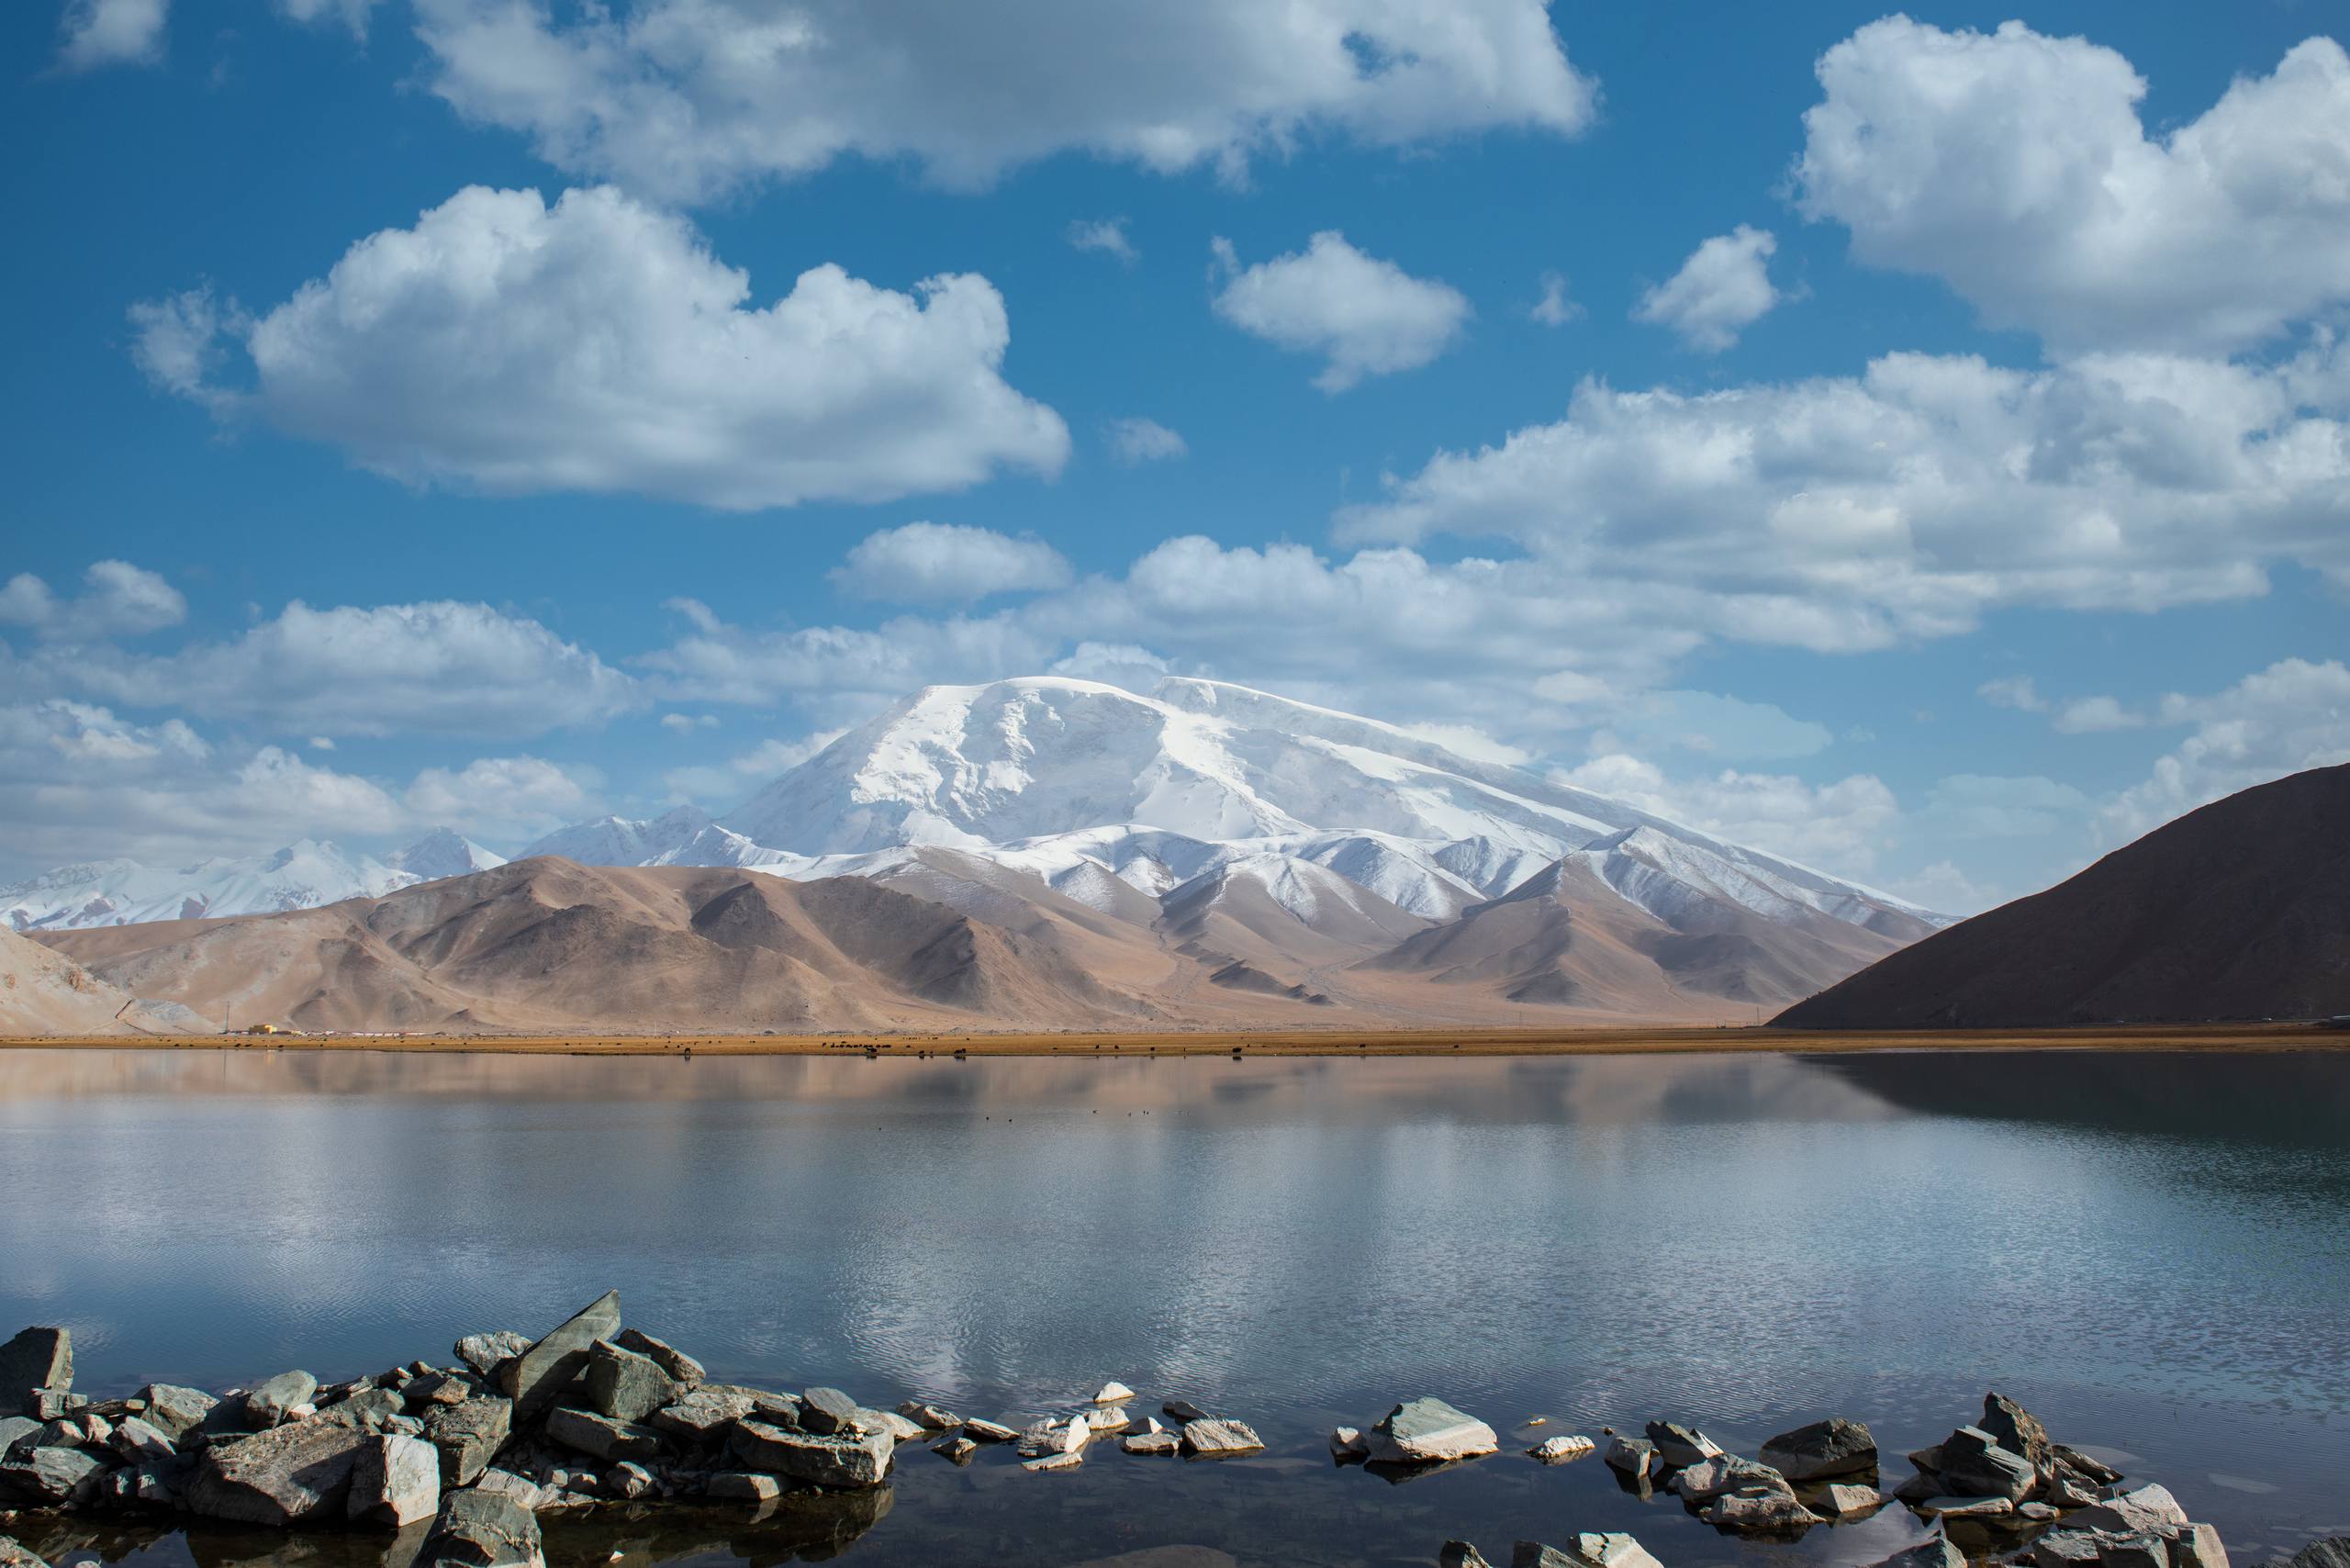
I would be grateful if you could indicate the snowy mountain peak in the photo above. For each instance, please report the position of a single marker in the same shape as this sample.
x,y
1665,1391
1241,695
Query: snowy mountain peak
x,y
444,852
302,875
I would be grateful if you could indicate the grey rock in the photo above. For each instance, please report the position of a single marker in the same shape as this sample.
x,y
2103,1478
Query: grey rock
x,y
956,1450
1758,1508
688,1371
823,1410
629,1479
1460,1554
370,1407
396,1482
48,1476
1935,1553
1152,1444
524,1492
900,1428
1183,1410
627,1385
1824,1448
1965,1507
2332,1553
1630,1455
468,1436
2013,1427
989,1431
435,1388
821,1459
2081,1464
1679,1446
1110,1418
2133,1552
2142,1508
36,1358
589,1433
929,1417
52,1403
744,1485
62,1433
1218,1439
1068,1460
1430,1431
138,1441
1347,1442
704,1414
176,1411
269,1402
1975,1466
484,1353
13,1555
484,1529
1560,1450
15,1429
1723,1473
2195,1546
278,1477
1845,1500
1588,1550
544,1373
2067,1549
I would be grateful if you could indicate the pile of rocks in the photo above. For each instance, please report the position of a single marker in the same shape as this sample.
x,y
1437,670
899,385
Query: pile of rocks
x,y
2004,1464
1803,1477
590,1413
1585,1550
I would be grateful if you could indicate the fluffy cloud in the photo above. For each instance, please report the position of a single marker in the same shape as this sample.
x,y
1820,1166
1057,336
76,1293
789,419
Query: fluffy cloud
x,y
1844,513
1723,288
734,781
514,797
2095,715
117,599
2292,716
1367,316
1104,234
598,345
1554,308
1144,440
352,13
687,99
2019,692
1838,827
443,667
112,32
2015,167
939,563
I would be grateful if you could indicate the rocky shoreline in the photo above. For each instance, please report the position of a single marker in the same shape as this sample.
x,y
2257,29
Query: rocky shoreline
x,y
457,1463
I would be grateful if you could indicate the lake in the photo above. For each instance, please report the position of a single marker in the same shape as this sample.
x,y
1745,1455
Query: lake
x,y
2150,1250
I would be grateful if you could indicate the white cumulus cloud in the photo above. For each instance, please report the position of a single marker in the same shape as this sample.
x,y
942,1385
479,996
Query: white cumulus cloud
x,y
1367,316
1723,288
689,99
2016,167
598,345
2292,716
1107,235
936,563
1144,440
112,32
117,599
1839,826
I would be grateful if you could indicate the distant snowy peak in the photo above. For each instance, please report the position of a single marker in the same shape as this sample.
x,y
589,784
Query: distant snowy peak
x,y
621,841
444,852
303,874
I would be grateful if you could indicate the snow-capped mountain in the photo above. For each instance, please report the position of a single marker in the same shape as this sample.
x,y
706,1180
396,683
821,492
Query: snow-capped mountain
x,y
120,893
444,852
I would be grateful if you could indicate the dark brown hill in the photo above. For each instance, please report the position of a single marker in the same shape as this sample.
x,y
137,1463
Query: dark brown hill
x,y
2239,910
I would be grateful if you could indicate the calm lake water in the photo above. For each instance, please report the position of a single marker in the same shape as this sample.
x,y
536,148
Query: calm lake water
x,y
2151,1251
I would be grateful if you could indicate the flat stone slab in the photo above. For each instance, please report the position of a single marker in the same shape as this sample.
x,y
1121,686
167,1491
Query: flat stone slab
x,y
821,1459
537,1377
1218,1439
1824,1448
1430,1431
280,1477
602,1437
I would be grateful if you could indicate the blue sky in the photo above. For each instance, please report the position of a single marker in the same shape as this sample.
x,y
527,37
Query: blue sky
x,y
1929,462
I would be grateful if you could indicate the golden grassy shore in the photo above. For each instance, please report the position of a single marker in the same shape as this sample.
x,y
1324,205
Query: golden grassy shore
x,y
1587,1041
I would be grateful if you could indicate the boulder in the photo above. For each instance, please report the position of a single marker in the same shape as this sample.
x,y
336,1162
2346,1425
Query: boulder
x,y
2081,1464
905,1430
280,1477
956,1450
929,1417
484,1352
140,1442
588,1432
2142,1508
2013,1427
176,1411
1723,1473
435,1388
989,1431
1151,1443
630,1480
1588,1550
369,1407
829,1410
1935,1553
1560,1448
2068,1549
524,1492
35,1359
821,1459
1459,1554
1216,1438
1678,1446
1110,1418
1430,1431
271,1402
1113,1393
743,1487
1347,1442
2195,1546
13,1555
484,1530
1630,1455
1975,1466
15,1429
1844,1499
671,1360
1825,1449
396,1482
541,1375
706,1412
2332,1553
627,1385
1758,1508
2133,1552
46,1477
467,1436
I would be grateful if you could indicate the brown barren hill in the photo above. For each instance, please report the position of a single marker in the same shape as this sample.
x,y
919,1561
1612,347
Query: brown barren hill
x,y
2238,911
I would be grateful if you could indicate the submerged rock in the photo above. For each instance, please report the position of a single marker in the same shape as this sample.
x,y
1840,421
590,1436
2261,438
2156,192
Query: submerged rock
x,y
1183,1410
484,1530
1630,1455
35,1359
1935,1553
539,1375
1430,1431
1151,1443
989,1431
929,1417
957,1449
1824,1448
1220,1438
1844,1500
1559,1450
1460,1554
280,1477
